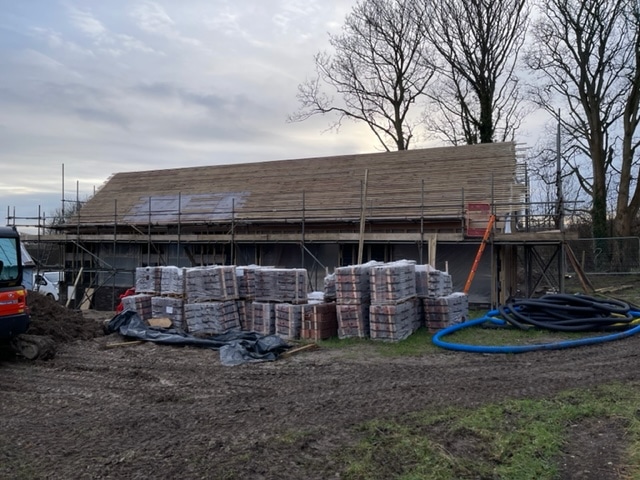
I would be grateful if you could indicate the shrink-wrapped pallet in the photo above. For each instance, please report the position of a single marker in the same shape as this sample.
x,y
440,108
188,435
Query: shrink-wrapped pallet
x,y
246,279
431,282
245,313
148,280
211,283
264,320
169,307
289,320
211,318
393,321
172,281
393,282
353,284
442,312
422,280
140,303
353,320
319,321
329,287
281,285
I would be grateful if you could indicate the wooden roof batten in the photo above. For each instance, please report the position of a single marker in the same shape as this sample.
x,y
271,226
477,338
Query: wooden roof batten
x,y
434,183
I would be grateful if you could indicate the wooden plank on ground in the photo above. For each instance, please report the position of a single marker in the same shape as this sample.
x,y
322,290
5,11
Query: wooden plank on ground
x,y
587,286
124,344
296,350
613,289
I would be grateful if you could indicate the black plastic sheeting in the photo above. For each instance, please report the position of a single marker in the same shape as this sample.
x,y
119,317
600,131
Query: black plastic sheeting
x,y
236,347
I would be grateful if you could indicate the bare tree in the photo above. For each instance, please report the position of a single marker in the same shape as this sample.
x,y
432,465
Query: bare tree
x,y
565,201
478,92
380,67
585,57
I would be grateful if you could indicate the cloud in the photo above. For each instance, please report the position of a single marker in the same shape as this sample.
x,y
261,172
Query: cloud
x,y
106,41
128,85
88,24
152,18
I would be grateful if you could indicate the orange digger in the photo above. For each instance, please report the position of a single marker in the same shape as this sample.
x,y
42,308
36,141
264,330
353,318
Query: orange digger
x,y
14,312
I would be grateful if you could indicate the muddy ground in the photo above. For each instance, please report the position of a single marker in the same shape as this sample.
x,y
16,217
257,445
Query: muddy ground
x,y
149,411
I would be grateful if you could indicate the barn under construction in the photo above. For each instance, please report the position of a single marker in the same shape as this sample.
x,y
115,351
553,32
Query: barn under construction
x,y
433,206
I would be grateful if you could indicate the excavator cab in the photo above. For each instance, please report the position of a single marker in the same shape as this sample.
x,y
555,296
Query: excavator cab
x,y
14,312
14,315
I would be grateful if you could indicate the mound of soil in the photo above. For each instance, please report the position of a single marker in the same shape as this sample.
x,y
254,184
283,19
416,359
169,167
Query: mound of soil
x,y
60,323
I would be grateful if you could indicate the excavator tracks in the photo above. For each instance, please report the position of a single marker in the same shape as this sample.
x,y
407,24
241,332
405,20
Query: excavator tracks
x,y
34,347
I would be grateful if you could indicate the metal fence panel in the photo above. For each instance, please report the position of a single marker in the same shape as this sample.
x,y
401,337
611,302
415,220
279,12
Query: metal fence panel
x,y
620,255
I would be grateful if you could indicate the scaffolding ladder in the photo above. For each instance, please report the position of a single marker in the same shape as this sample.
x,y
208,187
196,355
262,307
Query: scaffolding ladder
x,y
476,262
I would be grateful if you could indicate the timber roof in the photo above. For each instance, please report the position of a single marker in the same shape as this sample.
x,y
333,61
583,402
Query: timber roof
x,y
420,183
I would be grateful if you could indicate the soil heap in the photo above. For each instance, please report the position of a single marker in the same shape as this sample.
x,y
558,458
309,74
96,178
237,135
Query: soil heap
x,y
58,322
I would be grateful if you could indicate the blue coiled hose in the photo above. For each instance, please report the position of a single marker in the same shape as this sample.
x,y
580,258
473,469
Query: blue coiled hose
x,y
560,312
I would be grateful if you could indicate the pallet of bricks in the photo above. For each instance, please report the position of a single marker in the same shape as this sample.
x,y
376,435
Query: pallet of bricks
x,y
442,307
353,298
393,312
319,321
200,300
280,300
159,294
246,280
211,294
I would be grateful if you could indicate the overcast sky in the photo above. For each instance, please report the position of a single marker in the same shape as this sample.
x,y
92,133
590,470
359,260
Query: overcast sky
x,y
103,87
110,86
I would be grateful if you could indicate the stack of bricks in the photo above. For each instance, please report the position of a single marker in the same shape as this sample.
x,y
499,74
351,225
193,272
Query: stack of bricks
x,y
319,322
329,287
393,311
281,285
431,282
169,307
203,284
246,279
140,303
393,322
245,314
157,281
393,282
440,284
211,318
264,320
288,318
442,312
439,305
353,298
172,281
148,280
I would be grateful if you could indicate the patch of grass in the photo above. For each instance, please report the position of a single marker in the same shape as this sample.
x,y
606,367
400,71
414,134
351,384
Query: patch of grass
x,y
418,343
519,439
487,335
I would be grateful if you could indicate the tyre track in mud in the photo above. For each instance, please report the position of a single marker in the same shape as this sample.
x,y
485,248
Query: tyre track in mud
x,y
149,410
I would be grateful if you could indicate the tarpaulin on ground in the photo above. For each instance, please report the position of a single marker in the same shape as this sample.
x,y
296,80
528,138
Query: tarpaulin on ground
x,y
236,347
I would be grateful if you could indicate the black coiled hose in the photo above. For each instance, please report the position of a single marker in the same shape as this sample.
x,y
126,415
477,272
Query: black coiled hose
x,y
568,313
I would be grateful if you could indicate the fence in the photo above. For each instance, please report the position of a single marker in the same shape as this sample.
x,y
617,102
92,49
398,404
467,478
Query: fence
x,y
611,256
